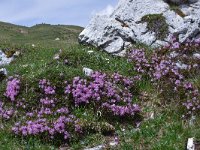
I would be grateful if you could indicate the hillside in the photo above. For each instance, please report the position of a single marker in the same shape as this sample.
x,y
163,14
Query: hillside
x,y
39,34
131,102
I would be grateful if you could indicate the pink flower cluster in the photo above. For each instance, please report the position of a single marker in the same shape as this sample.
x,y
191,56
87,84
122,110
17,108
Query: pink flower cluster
x,y
36,122
46,86
164,70
51,116
13,88
60,127
105,93
48,118
128,110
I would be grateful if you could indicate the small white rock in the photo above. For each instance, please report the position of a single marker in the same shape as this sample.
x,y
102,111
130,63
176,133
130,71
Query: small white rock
x,y
88,71
33,45
57,39
196,55
113,143
107,59
56,57
3,71
4,60
173,54
192,120
181,65
90,52
24,66
190,144
152,115
17,53
100,147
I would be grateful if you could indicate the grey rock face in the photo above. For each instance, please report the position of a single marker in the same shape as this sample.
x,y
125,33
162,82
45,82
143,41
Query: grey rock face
x,y
123,27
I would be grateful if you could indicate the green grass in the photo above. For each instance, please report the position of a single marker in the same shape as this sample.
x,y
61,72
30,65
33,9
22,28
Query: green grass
x,y
166,131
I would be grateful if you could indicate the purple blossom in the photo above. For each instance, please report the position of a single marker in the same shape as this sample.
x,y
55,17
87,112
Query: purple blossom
x,y
45,85
163,71
12,89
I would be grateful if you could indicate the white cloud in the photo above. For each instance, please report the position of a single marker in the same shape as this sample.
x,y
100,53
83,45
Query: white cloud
x,y
107,11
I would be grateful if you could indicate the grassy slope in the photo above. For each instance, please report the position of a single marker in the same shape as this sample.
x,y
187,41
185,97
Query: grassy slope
x,y
166,131
39,35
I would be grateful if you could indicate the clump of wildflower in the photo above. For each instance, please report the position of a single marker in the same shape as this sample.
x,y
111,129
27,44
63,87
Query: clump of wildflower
x,y
164,69
63,127
47,102
45,85
100,89
13,88
52,118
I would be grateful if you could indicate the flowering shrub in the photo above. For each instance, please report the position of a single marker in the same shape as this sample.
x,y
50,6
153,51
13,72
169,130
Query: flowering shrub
x,y
164,69
49,119
62,127
105,93
13,87
53,116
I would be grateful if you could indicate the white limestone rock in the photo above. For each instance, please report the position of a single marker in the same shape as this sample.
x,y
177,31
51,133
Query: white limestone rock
x,y
88,71
3,71
182,65
190,144
196,55
99,147
115,32
4,60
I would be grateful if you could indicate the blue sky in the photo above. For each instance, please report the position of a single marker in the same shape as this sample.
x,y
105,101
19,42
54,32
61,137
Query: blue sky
x,y
74,12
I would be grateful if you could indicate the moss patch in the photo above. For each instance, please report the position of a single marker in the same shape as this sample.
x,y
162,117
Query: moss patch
x,y
156,23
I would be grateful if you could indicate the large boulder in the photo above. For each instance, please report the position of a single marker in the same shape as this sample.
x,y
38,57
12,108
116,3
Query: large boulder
x,y
151,22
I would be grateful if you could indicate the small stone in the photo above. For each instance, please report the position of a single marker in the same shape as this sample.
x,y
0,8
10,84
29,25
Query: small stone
x,y
64,148
100,147
4,60
17,53
173,54
24,66
152,115
66,62
3,71
196,55
181,65
113,143
56,57
90,52
190,144
88,71
192,120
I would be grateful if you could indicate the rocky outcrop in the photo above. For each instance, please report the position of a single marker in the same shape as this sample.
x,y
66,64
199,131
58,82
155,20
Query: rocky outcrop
x,y
151,22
